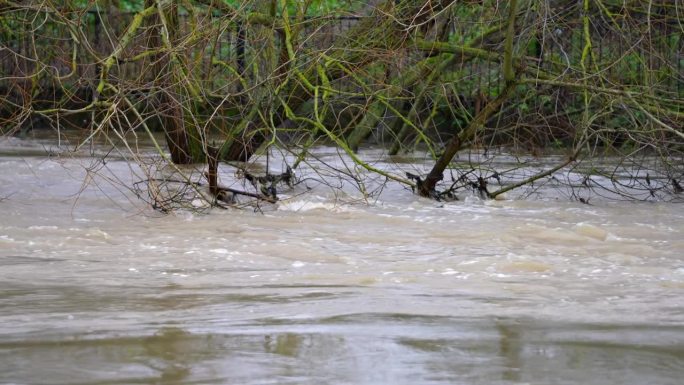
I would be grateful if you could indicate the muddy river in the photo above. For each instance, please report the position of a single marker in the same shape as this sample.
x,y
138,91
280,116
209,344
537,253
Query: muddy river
x,y
96,288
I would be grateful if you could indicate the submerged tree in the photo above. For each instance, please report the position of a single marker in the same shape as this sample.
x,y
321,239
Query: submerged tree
x,y
225,80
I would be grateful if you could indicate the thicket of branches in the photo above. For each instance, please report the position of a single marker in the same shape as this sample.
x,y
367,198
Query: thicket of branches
x,y
588,80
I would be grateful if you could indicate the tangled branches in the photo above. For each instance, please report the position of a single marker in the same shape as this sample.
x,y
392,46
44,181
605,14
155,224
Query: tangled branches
x,y
208,83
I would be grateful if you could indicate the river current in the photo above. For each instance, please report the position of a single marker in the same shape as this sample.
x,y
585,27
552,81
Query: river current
x,y
96,288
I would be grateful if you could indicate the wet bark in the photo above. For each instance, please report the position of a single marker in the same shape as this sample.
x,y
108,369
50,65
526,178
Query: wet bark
x,y
427,187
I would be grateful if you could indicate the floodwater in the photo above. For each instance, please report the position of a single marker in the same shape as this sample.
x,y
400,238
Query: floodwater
x,y
95,288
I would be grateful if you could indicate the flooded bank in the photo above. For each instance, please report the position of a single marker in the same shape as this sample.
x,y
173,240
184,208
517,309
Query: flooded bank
x,y
320,289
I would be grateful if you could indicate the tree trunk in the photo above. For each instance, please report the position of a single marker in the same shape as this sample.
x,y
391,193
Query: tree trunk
x,y
182,137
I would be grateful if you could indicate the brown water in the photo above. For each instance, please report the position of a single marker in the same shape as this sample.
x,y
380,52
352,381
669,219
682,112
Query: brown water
x,y
95,289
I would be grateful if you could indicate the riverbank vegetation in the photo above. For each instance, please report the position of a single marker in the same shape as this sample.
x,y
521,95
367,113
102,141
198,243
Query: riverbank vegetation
x,y
227,81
